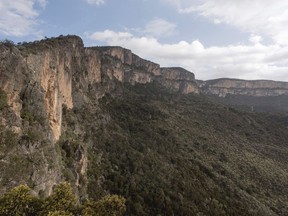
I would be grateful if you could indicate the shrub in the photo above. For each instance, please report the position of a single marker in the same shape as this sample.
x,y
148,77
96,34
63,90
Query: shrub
x,y
7,43
63,199
59,213
19,201
112,205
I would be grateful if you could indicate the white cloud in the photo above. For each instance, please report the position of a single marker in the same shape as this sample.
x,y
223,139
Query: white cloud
x,y
95,2
255,61
19,17
261,17
159,28
110,36
255,39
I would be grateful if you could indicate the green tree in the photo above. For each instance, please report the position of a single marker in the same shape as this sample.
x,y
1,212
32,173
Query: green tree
x,y
60,213
8,43
62,200
112,205
19,201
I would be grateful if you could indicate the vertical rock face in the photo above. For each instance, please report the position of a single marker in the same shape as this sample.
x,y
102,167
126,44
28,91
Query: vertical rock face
x,y
53,69
179,79
124,55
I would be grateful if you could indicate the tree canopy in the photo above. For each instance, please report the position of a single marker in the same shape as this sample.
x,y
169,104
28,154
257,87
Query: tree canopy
x,y
19,201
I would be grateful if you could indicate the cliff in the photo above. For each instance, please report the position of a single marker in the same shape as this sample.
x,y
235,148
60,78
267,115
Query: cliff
x,y
256,95
62,70
42,78
62,98
257,88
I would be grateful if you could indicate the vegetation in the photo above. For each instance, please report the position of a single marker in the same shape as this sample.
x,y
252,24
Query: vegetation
x,y
8,141
3,100
20,201
171,154
113,205
46,44
7,43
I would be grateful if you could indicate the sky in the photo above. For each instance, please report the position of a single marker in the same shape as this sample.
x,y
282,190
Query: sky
x,y
245,39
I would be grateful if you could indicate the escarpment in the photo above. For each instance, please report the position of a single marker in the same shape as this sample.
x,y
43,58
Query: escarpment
x,y
43,78
257,88
52,83
252,95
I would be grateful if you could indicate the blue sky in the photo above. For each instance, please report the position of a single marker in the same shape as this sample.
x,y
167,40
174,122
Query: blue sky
x,y
245,39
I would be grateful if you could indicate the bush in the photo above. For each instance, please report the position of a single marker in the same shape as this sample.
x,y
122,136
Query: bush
x,y
19,201
7,43
112,205
62,200
59,213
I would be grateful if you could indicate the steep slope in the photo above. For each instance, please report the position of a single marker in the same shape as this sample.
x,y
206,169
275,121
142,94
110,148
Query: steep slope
x,y
171,154
110,122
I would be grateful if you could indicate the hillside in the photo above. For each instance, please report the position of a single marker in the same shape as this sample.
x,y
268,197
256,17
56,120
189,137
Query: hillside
x,y
183,155
110,122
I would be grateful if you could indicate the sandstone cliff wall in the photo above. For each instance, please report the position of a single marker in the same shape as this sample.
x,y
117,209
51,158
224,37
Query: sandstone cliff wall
x,y
63,71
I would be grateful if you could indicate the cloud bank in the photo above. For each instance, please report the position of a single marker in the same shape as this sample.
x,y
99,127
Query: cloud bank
x,y
19,17
256,59
264,17
251,61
